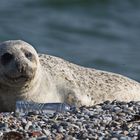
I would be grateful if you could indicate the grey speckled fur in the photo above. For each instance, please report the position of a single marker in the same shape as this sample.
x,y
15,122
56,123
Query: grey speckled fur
x,y
86,86
57,80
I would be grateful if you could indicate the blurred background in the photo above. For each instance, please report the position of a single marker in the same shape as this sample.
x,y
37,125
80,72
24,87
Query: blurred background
x,y
103,34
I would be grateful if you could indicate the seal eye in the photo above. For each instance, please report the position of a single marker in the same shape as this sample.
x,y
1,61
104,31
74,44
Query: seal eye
x,y
29,55
6,58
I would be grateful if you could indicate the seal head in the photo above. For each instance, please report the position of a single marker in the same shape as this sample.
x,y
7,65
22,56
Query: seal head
x,y
18,63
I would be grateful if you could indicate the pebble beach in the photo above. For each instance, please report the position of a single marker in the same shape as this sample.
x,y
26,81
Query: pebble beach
x,y
106,121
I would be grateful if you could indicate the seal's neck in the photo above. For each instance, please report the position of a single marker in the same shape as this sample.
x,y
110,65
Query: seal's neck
x,y
41,88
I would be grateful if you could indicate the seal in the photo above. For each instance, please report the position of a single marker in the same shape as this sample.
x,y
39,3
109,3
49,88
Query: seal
x,y
27,75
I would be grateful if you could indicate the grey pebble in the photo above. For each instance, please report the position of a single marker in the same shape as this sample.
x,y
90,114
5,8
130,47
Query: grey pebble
x,y
116,109
123,138
29,123
114,139
42,138
46,132
24,120
1,134
61,129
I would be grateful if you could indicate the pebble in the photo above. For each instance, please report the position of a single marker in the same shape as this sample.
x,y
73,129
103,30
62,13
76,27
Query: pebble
x,y
109,120
29,123
114,139
46,132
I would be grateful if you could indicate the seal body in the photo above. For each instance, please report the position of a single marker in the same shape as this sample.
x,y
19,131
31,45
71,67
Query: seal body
x,y
26,75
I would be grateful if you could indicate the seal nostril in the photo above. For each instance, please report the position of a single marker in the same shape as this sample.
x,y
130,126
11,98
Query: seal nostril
x,y
6,58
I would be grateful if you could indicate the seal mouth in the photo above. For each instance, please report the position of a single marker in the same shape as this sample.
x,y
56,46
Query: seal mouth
x,y
17,78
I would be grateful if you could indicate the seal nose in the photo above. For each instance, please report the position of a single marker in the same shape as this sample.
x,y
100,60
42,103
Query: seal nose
x,y
6,58
21,67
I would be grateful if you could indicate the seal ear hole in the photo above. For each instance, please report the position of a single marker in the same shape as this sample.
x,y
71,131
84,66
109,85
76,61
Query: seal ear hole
x,y
6,58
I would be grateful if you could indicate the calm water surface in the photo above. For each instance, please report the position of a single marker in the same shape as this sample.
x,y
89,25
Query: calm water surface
x,y
103,34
